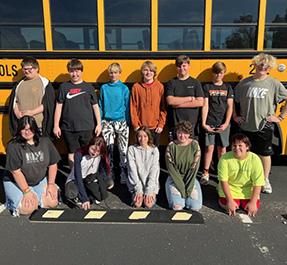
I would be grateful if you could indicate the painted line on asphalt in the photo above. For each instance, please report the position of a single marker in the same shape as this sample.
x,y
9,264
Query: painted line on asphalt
x,y
245,219
2,208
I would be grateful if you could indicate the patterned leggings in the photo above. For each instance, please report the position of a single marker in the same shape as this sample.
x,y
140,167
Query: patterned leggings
x,y
110,129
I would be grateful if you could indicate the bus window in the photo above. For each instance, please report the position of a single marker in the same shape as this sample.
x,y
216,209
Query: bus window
x,y
21,25
74,25
276,24
127,24
180,24
234,24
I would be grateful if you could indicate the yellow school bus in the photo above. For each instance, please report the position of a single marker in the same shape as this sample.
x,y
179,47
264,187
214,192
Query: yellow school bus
x,y
99,32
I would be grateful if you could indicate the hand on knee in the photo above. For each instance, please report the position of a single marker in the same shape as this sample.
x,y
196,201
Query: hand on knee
x,y
48,201
149,201
138,200
28,204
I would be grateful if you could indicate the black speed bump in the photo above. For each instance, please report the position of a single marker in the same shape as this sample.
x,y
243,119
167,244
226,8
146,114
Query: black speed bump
x,y
117,216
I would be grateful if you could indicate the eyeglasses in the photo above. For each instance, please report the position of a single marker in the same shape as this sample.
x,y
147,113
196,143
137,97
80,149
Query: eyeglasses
x,y
27,69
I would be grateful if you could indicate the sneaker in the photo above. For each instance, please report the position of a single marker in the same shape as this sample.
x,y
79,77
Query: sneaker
x,y
267,187
204,178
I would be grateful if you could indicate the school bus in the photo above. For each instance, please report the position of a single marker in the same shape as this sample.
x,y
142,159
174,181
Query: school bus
x,y
99,32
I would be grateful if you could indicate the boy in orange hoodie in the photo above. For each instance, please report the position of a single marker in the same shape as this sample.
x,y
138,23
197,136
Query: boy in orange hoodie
x,y
147,102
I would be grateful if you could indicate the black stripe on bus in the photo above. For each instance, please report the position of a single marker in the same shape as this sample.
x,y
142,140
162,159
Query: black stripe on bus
x,y
163,55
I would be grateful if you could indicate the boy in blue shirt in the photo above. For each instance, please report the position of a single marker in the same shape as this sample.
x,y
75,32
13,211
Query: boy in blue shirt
x,y
114,105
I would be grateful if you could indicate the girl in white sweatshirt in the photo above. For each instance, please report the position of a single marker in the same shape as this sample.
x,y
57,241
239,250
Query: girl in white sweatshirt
x,y
143,169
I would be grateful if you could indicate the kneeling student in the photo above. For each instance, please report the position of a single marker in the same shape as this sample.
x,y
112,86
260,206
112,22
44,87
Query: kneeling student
x,y
240,174
90,177
143,169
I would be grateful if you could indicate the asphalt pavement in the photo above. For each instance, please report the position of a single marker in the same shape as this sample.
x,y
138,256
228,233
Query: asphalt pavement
x,y
220,240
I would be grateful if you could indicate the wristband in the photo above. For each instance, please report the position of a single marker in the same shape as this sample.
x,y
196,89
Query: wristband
x,y
26,192
280,118
234,116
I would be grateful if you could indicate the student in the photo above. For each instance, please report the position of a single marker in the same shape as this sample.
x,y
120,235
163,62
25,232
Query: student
x,y
30,158
241,176
76,107
143,169
182,161
258,97
148,106
216,114
184,96
34,96
90,177
114,105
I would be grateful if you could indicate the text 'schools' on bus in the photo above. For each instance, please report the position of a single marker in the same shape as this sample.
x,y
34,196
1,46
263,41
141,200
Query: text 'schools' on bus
x,y
99,32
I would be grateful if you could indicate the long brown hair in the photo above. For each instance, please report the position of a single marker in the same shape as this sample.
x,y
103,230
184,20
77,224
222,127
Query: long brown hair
x,y
149,135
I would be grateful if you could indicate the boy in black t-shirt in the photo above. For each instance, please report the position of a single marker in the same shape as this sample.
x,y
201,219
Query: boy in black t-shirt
x,y
77,108
216,115
184,97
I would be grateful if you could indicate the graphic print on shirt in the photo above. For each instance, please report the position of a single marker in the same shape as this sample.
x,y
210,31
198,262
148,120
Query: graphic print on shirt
x,y
218,93
256,92
34,157
74,92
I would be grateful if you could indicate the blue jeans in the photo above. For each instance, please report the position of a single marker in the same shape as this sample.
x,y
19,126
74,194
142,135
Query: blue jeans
x,y
194,202
14,194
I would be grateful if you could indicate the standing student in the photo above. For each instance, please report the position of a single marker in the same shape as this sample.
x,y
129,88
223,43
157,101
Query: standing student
x,y
33,96
216,114
148,106
114,105
182,162
76,109
32,160
90,177
143,169
184,95
240,175
258,97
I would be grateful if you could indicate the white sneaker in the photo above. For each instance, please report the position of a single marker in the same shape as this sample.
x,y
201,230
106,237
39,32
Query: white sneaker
x,y
267,187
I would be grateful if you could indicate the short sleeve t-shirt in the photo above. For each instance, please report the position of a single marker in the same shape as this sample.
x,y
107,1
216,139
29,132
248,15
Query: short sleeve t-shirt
x,y
217,102
32,160
184,88
77,110
258,100
242,175
29,95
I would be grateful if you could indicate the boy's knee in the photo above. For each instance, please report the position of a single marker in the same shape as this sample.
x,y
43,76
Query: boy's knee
x,y
25,210
48,202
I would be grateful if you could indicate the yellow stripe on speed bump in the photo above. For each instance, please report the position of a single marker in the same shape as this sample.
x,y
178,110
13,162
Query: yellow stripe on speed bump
x,y
136,215
181,216
52,214
95,215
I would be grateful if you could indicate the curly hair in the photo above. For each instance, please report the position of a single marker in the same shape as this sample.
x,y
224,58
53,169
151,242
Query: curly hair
x,y
184,126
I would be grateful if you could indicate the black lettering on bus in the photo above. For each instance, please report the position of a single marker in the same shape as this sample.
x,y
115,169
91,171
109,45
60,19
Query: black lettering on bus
x,y
7,71
252,71
2,70
14,70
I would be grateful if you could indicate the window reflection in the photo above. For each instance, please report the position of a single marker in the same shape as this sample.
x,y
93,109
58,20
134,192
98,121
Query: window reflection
x,y
235,25
21,25
180,24
173,38
127,25
74,26
276,25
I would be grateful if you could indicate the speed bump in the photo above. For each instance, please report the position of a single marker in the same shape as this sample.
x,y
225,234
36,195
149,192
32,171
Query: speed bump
x,y
117,216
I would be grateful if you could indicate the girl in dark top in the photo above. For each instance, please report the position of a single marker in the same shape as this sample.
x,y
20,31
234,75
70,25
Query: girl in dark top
x,y
29,156
90,176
